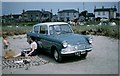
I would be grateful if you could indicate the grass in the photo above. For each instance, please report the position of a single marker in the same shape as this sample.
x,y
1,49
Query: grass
x,y
13,30
110,31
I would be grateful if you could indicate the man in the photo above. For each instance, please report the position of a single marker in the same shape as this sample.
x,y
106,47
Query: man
x,y
32,51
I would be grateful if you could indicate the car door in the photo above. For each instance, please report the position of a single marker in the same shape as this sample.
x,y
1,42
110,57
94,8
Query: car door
x,y
43,31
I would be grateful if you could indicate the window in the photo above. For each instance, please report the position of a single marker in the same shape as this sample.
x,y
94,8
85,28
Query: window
x,y
45,15
61,14
61,19
73,13
51,30
43,29
37,18
68,19
36,29
20,17
67,13
98,13
36,15
25,14
103,13
60,29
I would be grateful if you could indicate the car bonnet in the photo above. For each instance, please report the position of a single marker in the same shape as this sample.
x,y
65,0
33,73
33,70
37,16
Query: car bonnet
x,y
71,38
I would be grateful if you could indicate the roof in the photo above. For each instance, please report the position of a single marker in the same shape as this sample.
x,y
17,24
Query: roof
x,y
69,10
105,9
51,23
90,15
4,16
46,12
16,15
37,11
32,11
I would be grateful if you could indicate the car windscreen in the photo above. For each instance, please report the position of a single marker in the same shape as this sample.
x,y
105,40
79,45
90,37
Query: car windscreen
x,y
60,29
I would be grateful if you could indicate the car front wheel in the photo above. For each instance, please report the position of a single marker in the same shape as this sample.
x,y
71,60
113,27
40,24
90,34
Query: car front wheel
x,y
57,56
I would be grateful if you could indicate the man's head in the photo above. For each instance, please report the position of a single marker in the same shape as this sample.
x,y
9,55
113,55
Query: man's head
x,y
32,39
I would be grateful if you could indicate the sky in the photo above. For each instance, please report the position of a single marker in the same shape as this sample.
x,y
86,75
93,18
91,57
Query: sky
x,y
17,7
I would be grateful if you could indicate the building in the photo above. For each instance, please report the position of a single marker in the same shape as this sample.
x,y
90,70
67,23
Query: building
x,y
117,15
54,18
46,16
81,18
68,14
90,16
36,15
6,18
11,18
108,13
85,16
17,17
31,15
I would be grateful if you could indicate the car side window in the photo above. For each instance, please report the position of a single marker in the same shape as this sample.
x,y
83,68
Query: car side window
x,y
51,30
43,29
36,29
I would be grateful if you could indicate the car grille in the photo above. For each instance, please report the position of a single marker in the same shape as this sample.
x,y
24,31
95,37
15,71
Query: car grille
x,y
80,47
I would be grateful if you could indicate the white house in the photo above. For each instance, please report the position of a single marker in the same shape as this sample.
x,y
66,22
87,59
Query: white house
x,y
105,12
68,14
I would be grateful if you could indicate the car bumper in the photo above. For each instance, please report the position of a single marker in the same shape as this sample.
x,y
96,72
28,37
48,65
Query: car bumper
x,y
76,52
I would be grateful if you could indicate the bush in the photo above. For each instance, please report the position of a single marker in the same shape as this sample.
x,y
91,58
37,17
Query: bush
x,y
110,31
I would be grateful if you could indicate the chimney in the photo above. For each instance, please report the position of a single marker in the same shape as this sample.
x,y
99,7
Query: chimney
x,y
114,6
51,10
23,10
102,7
95,7
78,9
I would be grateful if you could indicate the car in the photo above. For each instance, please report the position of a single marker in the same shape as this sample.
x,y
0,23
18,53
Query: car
x,y
58,39
104,19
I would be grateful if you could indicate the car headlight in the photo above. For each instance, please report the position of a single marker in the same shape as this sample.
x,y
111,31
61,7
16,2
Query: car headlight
x,y
65,44
90,40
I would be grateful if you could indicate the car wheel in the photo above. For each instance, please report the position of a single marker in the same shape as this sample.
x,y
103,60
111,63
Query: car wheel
x,y
57,56
83,56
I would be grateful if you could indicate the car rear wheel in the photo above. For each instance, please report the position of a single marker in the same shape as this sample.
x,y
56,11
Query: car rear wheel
x,y
57,56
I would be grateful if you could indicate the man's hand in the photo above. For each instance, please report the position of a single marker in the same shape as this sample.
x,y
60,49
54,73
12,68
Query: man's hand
x,y
26,55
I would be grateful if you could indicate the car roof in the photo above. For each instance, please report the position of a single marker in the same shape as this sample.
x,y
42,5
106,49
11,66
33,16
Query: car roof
x,y
50,23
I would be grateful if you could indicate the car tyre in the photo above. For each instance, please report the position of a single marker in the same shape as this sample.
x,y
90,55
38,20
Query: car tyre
x,y
57,56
